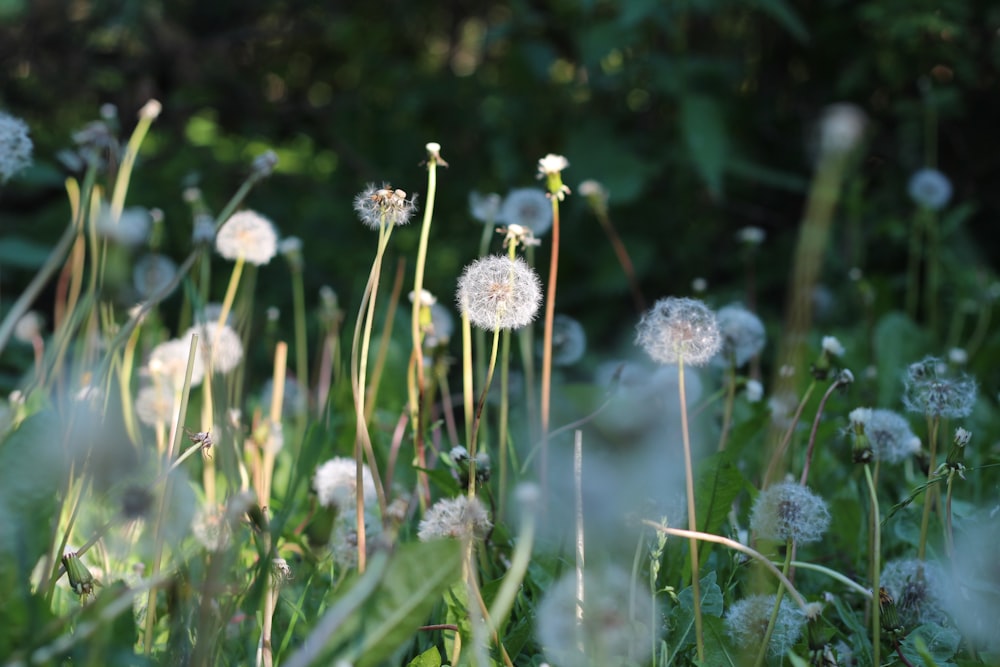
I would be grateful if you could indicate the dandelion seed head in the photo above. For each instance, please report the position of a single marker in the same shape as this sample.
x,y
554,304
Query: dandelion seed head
x,y
168,361
496,292
131,230
263,165
152,273
211,528
335,482
832,346
755,391
155,404
609,636
485,207
751,236
15,146
552,164
841,128
385,205
919,597
249,235
28,327
930,189
891,437
789,511
743,335
460,517
441,327
569,341
220,345
679,329
528,207
930,390
747,619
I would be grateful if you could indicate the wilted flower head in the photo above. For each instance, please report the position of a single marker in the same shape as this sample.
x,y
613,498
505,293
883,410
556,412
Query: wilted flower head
x,y
918,588
747,620
152,273
789,511
550,168
460,517
889,434
155,404
485,208
249,235
385,205
928,389
15,146
528,207
335,483
221,345
609,635
569,341
930,189
743,334
497,292
679,329
168,362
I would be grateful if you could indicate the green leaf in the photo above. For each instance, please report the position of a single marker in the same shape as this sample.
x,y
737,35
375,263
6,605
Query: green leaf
x,y
682,616
414,580
717,484
931,644
856,627
705,134
429,658
716,643
898,343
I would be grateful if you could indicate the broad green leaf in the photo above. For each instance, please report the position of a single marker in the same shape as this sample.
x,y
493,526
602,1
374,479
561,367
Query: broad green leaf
x,y
931,645
682,615
856,627
717,484
429,658
415,578
705,133
716,643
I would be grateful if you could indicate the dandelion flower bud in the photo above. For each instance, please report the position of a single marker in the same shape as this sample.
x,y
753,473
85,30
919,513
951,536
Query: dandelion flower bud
x,y
528,207
918,588
550,168
497,292
595,194
263,165
928,390
15,146
747,620
460,517
378,206
743,334
153,273
610,633
220,345
930,189
679,329
335,483
789,511
249,235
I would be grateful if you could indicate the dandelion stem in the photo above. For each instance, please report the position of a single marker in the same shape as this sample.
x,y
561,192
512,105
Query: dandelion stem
x,y
762,652
779,453
929,492
479,413
815,428
876,538
550,309
692,514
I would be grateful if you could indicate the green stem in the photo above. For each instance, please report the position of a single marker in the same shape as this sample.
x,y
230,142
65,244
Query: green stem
x,y
550,309
301,339
479,412
692,514
929,493
762,652
876,548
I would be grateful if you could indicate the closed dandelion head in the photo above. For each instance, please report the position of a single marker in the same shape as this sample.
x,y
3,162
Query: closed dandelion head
x,y
528,207
930,189
15,146
929,389
153,273
263,165
550,168
460,517
384,206
569,341
249,235
335,482
155,404
608,634
679,329
168,362
747,620
497,292
221,345
743,335
918,588
789,511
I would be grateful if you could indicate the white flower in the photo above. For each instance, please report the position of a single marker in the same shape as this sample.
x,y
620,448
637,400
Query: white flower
x,y
222,346
460,517
168,361
249,235
155,404
552,164
335,483
832,346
